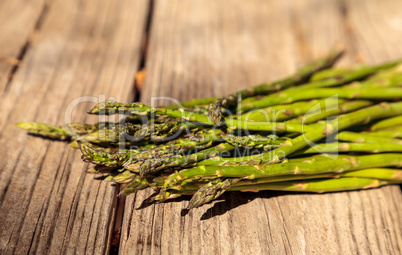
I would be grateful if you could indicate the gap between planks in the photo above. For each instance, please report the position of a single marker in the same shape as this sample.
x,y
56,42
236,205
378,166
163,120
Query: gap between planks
x,y
15,62
121,200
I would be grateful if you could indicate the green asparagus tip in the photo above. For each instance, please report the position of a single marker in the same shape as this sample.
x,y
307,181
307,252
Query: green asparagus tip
x,y
74,145
108,106
26,125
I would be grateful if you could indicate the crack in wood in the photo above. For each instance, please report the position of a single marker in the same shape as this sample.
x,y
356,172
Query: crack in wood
x,y
27,45
348,28
114,240
117,223
144,51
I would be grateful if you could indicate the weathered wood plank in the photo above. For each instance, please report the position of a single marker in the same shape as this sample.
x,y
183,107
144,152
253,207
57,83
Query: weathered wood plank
x,y
48,204
17,22
206,48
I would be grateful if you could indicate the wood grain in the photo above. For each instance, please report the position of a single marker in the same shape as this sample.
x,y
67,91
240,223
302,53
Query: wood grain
x,y
48,204
209,48
18,21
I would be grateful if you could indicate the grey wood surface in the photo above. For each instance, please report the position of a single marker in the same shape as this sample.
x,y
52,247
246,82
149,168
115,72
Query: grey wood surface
x,y
197,48
48,204
19,21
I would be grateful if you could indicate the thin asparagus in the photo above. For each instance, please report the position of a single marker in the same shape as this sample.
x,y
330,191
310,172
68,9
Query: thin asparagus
x,y
364,138
387,123
352,147
348,93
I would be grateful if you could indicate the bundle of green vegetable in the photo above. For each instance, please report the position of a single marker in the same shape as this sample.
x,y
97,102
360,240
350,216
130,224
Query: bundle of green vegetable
x,y
322,129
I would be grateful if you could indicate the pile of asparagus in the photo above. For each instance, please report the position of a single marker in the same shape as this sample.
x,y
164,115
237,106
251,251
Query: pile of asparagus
x,y
322,129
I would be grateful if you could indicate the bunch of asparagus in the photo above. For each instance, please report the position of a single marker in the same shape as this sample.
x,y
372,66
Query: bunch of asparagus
x,y
322,129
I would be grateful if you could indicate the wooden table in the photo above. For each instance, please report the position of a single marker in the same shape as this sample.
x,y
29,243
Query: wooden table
x,y
54,51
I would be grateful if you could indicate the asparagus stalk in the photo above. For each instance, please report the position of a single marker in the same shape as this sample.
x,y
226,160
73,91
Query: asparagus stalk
x,y
328,165
329,111
151,166
105,156
253,141
112,107
385,74
395,133
285,112
316,186
203,195
199,141
211,191
388,174
394,81
350,76
135,184
365,138
334,72
352,147
53,132
387,123
348,93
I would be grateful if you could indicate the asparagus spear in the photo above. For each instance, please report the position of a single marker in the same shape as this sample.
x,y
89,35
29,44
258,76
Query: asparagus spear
x,y
152,166
390,122
135,184
317,186
198,141
105,156
210,192
394,133
328,165
329,111
289,111
393,81
389,174
365,138
350,76
349,93
253,141
385,74
45,130
112,107
334,72
352,147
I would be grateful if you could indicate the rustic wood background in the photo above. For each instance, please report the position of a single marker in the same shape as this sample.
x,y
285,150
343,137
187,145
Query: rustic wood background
x,y
54,51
